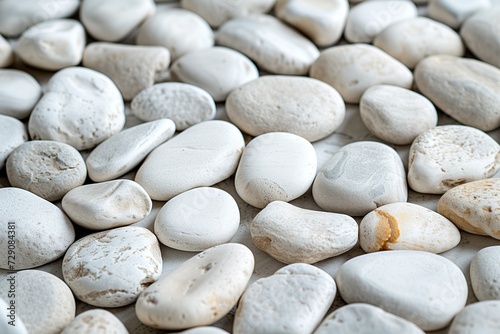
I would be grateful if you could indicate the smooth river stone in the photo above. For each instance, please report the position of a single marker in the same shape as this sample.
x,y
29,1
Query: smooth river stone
x,y
303,106
112,21
322,21
43,302
474,207
275,166
217,70
291,234
12,135
111,268
359,178
400,226
454,12
365,319
424,288
485,274
466,89
293,300
6,53
274,46
200,291
198,219
447,156
125,150
211,149
396,115
11,323
81,107
216,12
479,317
352,69
19,96
96,321
47,168
132,67
368,19
168,28
400,40
184,104
52,45
481,34
101,206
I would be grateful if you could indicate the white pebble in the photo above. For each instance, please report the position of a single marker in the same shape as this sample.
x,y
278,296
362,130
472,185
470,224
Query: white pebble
x,y
12,135
454,12
479,317
18,98
485,274
96,321
6,53
198,219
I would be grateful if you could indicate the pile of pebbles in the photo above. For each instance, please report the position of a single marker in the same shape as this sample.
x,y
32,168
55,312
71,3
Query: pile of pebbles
x,y
249,166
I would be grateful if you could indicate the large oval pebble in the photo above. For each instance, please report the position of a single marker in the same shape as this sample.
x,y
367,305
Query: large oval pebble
x,y
211,149
485,273
359,178
466,89
352,69
302,106
18,98
293,300
12,135
454,12
41,231
96,321
6,53
450,155
424,288
111,268
479,317
200,291
198,219
291,234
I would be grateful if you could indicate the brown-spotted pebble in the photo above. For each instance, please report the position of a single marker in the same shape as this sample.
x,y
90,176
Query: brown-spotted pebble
x,y
95,321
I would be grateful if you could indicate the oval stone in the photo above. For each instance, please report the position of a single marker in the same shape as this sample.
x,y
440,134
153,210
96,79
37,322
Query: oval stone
x,y
424,288
198,219
12,135
291,234
18,98
111,268
200,291
303,106
479,317
485,273
95,321
6,54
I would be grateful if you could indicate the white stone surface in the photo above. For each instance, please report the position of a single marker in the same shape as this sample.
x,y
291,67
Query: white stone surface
x,y
18,98
485,274
479,317
12,135
95,321
11,323
454,12
6,53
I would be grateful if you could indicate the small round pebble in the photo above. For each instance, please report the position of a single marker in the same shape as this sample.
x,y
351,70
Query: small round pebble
x,y
95,321
479,317
485,274
197,219
454,12
12,135
6,53
18,98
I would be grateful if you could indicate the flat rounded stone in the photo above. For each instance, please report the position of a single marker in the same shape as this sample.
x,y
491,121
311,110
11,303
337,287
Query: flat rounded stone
x,y
12,135
52,45
204,330
479,317
95,321
43,302
123,151
303,106
322,21
293,300
363,319
480,34
6,53
101,206
48,169
447,156
275,166
81,107
18,98
216,12
211,149
167,28
396,115
12,323
400,41
291,234
424,288
184,104
111,20
473,207
454,12
271,44
200,291
111,268
198,219
132,67
466,89
217,70
352,69
368,19
400,226
359,178
485,274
